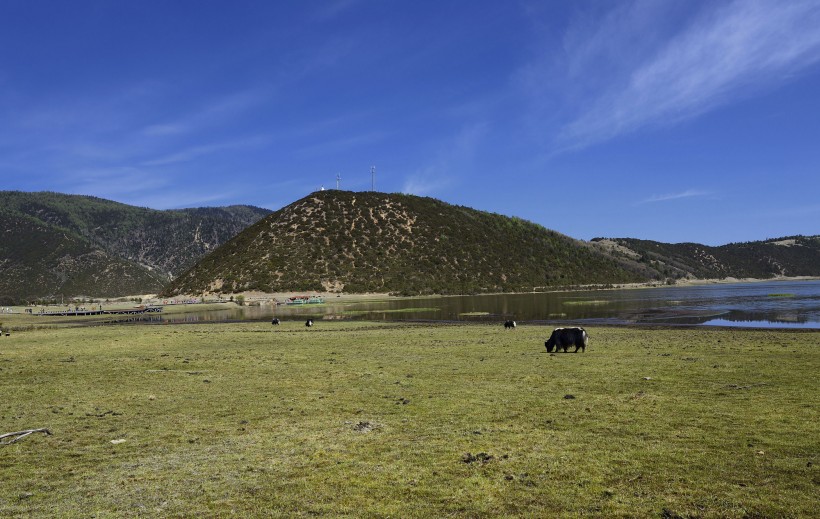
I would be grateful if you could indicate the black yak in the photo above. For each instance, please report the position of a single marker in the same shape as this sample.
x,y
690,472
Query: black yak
x,y
563,338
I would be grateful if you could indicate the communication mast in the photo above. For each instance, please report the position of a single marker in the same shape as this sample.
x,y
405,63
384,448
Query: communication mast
x,y
338,179
372,178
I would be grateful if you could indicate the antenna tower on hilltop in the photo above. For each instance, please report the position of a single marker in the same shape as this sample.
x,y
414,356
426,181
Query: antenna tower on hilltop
x,y
338,179
372,178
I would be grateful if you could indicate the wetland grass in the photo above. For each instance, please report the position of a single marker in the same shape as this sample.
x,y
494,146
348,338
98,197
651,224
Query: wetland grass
x,y
408,420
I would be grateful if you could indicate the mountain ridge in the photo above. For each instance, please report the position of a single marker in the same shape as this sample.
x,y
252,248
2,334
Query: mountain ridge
x,y
53,243
789,256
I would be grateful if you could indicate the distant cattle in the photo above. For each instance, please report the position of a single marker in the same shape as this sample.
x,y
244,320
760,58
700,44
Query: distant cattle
x,y
509,325
275,321
563,338
309,323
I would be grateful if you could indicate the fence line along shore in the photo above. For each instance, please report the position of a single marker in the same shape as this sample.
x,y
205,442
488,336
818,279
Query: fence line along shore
x,y
121,311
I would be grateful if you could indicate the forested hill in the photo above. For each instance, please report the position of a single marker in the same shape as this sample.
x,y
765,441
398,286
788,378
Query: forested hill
x,y
376,242
789,257
56,244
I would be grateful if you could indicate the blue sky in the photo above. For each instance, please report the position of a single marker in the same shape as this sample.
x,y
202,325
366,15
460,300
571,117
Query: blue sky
x,y
666,120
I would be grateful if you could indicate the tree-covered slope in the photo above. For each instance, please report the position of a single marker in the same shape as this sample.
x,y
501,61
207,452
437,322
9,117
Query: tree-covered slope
x,y
37,261
53,243
375,242
788,256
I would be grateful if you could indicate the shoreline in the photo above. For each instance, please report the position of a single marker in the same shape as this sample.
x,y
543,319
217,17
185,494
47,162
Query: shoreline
x,y
735,281
256,296
267,301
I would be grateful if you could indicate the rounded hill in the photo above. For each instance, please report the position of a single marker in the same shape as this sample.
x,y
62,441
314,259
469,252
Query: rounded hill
x,y
375,242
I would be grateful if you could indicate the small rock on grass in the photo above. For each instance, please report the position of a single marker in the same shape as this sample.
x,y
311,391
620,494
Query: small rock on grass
x,y
364,426
483,457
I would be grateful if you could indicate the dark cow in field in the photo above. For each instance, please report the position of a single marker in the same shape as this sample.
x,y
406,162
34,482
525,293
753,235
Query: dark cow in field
x,y
563,338
509,325
275,321
309,323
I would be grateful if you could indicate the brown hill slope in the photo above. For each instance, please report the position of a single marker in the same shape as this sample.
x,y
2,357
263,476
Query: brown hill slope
x,y
375,242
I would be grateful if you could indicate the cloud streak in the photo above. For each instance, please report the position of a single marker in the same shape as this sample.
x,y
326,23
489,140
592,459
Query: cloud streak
x,y
115,183
195,152
214,113
689,193
340,145
448,164
333,9
722,54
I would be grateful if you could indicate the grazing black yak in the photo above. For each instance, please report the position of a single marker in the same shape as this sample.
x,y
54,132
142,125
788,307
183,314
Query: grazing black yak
x,y
563,338
309,323
509,325
275,321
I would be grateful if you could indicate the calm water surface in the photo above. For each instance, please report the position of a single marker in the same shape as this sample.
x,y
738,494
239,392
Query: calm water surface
x,y
783,304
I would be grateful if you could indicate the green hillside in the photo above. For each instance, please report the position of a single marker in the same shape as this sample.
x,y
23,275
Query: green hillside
x,y
54,244
375,242
788,256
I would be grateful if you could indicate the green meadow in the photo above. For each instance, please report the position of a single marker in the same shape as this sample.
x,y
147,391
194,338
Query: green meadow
x,y
351,419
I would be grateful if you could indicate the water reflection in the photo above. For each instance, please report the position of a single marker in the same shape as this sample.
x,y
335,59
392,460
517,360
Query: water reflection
x,y
775,304
760,324
142,318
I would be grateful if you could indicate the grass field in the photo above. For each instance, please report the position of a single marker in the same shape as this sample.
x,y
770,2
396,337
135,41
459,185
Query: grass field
x,y
408,420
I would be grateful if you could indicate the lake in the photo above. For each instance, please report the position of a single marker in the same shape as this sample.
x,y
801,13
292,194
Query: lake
x,y
781,304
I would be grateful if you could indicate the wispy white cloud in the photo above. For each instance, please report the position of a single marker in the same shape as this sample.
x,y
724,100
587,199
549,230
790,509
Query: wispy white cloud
x,y
449,164
202,197
115,183
333,9
342,144
723,53
214,112
689,193
189,154
146,188
163,130
426,182
195,152
89,112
